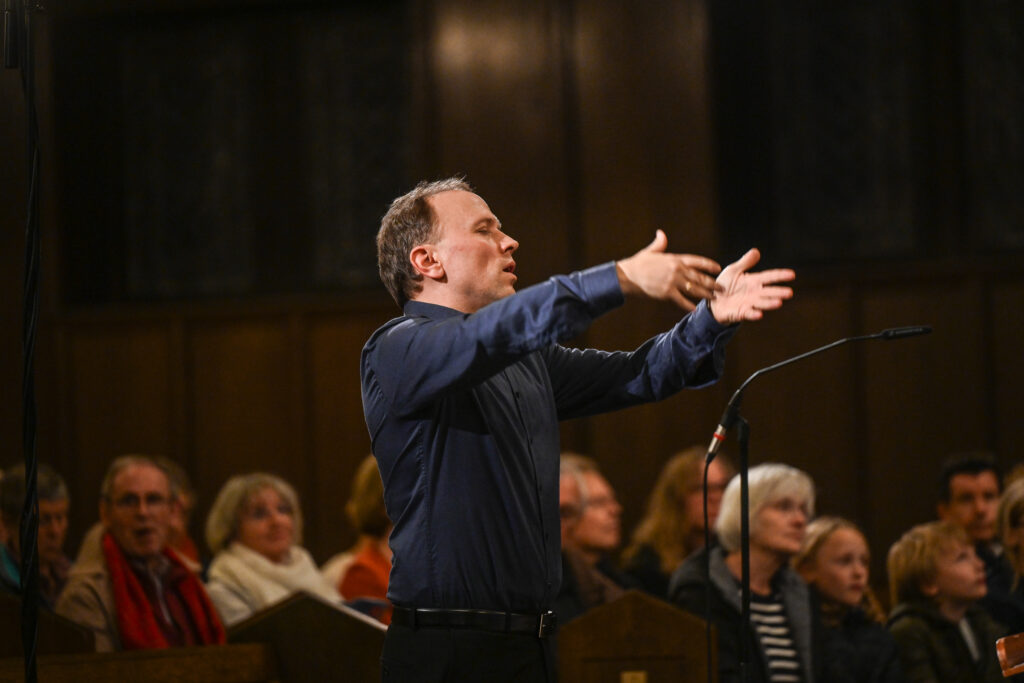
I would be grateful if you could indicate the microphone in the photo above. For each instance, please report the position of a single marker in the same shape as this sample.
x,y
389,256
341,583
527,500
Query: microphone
x,y
901,332
732,409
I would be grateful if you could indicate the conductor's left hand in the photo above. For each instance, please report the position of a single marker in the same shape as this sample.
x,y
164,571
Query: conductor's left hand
x,y
741,295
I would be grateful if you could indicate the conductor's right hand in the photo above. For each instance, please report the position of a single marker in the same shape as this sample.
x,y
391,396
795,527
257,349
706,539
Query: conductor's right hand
x,y
652,272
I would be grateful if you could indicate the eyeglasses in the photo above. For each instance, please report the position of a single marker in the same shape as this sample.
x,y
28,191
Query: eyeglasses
x,y
131,501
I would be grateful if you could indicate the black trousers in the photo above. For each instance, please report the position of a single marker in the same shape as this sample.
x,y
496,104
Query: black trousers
x,y
459,655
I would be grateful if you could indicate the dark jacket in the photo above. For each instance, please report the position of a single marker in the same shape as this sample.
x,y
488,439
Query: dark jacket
x,y
1004,601
857,649
584,586
688,590
932,650
645,569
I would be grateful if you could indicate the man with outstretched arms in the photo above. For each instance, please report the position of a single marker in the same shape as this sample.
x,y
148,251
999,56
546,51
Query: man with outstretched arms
x,y
462,396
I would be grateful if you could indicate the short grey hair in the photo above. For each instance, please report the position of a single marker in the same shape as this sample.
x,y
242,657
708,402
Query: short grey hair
x,y
409,223
49,486
768,483
222,522
124,462
574,465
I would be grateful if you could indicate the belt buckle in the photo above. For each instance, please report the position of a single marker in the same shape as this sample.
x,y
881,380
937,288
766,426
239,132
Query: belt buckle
x,y
546,624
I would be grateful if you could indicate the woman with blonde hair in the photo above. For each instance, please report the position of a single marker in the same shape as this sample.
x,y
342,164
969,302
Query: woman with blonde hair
x,y
781,633
1005,601
255,530
365,581
834,561
673,527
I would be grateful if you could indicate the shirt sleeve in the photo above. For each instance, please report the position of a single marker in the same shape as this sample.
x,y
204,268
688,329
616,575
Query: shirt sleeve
x,y
418,359
690,355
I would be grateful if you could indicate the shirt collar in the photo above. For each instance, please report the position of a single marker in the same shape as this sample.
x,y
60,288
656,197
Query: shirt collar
x,y
421,309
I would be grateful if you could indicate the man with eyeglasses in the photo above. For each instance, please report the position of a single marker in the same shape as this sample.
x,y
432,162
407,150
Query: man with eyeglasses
x,y
127,585
591,531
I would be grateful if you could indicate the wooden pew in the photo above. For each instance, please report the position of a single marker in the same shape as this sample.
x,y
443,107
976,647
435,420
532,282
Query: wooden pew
x,y
635,639
55,634
248,663
314,641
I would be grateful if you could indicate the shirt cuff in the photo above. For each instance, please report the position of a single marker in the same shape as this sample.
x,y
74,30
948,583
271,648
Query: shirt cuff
x,y
601,288
705,321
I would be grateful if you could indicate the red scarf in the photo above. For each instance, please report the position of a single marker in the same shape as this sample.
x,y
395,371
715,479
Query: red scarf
x,y
136,622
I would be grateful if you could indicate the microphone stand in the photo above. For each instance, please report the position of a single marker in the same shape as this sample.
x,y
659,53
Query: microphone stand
x,y
732,417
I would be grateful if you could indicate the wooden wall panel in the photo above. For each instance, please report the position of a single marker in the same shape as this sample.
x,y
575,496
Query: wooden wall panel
x,y
499,115
119,394
1007,304
644,129
339,439
644,163
244,379
925,398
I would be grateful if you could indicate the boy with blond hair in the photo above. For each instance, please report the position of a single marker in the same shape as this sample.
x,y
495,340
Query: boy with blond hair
x,y
936,579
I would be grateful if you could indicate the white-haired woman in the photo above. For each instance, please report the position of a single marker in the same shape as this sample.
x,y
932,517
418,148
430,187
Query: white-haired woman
x,y
781,638
254,530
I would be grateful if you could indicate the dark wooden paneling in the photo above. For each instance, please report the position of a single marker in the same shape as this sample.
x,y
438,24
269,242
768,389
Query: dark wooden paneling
x,y
644,164
119,400
644,128
1007,304
338,430
497,103
924,398
245,393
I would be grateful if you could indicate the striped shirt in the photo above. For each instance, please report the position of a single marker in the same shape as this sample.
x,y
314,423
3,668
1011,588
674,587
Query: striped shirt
x,y
768,616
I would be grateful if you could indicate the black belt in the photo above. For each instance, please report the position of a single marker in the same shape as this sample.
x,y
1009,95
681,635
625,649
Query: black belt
x,y
540,625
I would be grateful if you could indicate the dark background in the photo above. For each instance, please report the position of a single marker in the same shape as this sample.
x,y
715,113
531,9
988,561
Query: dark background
x,y
214,172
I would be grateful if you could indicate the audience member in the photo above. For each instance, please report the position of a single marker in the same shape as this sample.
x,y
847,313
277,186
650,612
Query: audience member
x,y
834,560
591,531
781,638
365,581
183,501
127,585
969,497
936,579
673,527
53,530
1010,532
254,530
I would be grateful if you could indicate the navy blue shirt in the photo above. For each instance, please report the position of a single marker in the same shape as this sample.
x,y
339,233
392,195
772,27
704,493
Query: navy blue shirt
x,y
463,414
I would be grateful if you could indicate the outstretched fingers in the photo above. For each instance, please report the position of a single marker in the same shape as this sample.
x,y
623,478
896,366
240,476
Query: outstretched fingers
x,y
773,275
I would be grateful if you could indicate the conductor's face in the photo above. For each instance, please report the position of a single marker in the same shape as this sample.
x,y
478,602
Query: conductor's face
x,y
476,256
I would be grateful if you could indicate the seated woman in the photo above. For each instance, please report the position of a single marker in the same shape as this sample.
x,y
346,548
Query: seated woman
x,y
254,529
365,581
835,561
673,527
1005,601
781,638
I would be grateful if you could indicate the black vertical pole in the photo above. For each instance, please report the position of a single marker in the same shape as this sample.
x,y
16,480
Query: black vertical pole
x,y
18,53
743,438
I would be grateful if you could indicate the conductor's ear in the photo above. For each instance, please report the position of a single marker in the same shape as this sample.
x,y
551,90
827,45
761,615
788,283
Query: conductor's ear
x,y
425,260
